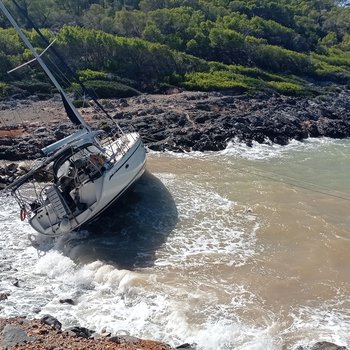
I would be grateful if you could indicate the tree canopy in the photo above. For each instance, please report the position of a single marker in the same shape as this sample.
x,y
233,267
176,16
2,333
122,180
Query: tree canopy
x,y
154,43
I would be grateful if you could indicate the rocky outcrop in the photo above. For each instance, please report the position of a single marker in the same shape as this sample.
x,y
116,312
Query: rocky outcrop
x,y
11,171
207,121
189,121
21,333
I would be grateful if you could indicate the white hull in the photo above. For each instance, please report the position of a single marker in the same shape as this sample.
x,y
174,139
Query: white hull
x,y
98,194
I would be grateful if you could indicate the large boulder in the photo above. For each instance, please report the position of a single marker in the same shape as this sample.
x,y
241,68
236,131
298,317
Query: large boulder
x,y
13,335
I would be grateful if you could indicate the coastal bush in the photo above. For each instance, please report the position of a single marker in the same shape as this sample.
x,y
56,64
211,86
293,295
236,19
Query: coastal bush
x,y
217,80
286,88
334,58
273,32
89,74
232,80
326,71
78,103
35,87
10,43
277,59
107,89
3,88
256,73
134,59
187,42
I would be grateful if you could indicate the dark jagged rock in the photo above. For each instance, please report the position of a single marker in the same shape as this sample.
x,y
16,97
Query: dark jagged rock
x,y
81,332
187,346
196,121
3,296
51,321
323,346
67,301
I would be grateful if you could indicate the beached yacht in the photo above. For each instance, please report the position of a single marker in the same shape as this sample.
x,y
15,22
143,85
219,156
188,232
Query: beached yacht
x,y
88,170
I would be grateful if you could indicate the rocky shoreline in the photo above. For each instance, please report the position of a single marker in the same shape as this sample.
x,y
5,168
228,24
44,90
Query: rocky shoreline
x,y
47,333
181,122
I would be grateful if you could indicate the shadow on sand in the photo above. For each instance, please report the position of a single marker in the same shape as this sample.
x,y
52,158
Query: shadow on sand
x,y
129,233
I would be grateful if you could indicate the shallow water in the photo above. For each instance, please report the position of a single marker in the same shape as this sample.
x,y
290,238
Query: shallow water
x,y
242,249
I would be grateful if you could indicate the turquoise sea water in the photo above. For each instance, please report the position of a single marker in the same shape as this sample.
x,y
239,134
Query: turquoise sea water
x,y
243,249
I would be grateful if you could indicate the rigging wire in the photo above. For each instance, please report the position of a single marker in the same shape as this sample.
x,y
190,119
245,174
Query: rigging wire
x,y
73,75
301,185
56,53
82,94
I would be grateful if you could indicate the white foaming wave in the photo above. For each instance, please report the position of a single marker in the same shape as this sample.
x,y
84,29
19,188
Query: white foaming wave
x,y
225,335
60,268
19,258
179,155
208,224
117,300
147,311
221,327
270,150
104,295
225,327
329,322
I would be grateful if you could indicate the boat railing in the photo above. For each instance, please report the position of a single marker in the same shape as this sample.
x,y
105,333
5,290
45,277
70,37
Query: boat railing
x,y
30,202
116,147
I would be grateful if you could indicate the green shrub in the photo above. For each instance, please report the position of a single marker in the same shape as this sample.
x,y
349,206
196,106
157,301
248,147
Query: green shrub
x,y
326,71
333,59
35,87
255,73
278,59
291,89
108,89
78,103
89,74
219,80
3,89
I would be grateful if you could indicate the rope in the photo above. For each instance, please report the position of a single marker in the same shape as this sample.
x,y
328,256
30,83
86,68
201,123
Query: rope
x,y
323,190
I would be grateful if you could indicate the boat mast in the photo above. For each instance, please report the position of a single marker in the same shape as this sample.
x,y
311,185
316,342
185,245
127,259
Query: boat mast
x,y
42,64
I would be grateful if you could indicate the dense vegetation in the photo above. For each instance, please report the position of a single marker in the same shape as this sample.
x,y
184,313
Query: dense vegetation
x,y
120,47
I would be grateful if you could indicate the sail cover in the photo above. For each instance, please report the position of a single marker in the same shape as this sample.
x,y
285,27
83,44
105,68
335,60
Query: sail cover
x,y
71,114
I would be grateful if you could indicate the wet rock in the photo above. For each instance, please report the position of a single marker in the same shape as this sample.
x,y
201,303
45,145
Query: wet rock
x,y
11,168
4,296
187,346
81,332
323,346
16,283
51,321
13,335
3,179
67,301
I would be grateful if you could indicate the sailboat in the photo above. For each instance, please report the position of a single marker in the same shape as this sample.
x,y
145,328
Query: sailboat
x,y
90,169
